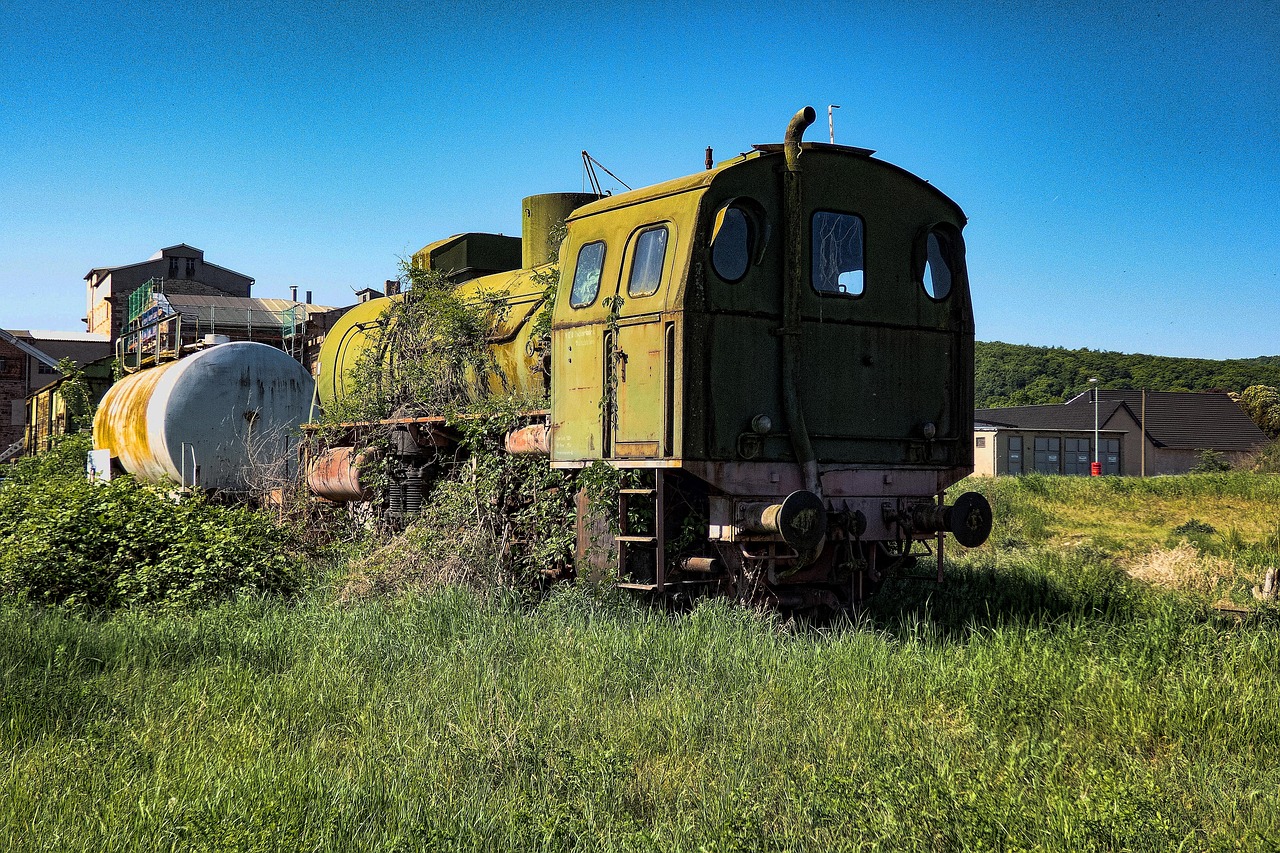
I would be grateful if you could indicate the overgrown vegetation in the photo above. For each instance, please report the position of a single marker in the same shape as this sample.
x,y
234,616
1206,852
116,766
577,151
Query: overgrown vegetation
x,y
1017,375
428,354
1037,702
69,542
495,520
1262,404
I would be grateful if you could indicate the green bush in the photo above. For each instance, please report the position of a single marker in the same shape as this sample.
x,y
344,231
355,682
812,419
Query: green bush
x,y
66,541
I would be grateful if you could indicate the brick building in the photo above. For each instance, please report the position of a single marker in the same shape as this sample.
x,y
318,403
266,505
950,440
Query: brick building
x,y
183,270
29,362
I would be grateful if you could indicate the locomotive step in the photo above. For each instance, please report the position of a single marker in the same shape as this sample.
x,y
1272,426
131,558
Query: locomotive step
x,y
650,587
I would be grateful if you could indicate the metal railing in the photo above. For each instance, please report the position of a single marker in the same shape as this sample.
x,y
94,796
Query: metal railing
x,y
140,300
13,449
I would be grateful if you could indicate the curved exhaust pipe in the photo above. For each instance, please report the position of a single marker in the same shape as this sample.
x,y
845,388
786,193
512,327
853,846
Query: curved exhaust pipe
x,y
792,287
795,132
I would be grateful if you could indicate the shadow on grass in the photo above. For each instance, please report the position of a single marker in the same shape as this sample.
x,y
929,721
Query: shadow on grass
x,y
1042,590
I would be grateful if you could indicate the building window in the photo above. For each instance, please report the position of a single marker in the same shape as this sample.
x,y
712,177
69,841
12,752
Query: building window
x,y
1077,458
1015,454
46,369
647,263
173,268
839,253
1048,455
980,441
586,278
191,267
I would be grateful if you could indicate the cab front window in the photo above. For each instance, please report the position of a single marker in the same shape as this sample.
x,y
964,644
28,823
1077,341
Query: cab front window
x,y
647,263
839,253
586,278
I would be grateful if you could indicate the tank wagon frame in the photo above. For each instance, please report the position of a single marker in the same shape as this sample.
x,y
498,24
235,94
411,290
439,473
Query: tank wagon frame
x,y
778,352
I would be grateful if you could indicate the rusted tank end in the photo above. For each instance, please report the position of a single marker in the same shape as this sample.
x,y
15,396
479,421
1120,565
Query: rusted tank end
x,y
533,440
341,474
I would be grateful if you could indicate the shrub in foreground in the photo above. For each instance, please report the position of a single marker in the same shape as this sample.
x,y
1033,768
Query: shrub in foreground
x,y
66,541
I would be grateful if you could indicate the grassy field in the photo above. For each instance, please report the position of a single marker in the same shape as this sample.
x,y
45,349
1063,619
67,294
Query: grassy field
x,y
1042,699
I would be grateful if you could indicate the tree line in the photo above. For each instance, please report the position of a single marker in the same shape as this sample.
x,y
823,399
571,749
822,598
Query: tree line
x,y
1021,375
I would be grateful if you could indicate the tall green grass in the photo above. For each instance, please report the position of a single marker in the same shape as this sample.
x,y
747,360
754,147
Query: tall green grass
x,y
1033,703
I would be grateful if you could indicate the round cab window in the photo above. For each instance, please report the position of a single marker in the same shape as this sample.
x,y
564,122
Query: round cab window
x,y
731,244
939,259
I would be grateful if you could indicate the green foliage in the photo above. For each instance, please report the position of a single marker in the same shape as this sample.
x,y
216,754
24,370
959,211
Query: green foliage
x,y
1035,703
1194,527
76,394
428,355
1262,404
1268,460
492,519
1016,375
66,541
1210,462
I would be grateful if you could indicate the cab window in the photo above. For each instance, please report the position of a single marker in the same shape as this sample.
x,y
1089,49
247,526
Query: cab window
x,y
942,257
647,262
731,246
586,277
839,253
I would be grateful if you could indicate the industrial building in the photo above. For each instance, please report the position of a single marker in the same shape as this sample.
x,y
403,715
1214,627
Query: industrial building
x,y
1130,433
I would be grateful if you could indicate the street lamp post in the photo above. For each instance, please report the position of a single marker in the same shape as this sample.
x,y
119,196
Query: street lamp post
x,y
1096,469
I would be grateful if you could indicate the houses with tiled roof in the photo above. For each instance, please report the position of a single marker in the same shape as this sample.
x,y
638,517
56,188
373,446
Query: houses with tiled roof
x,y
1132,433
29,362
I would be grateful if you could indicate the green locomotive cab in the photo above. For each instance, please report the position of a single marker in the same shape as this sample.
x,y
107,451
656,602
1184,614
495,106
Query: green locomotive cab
x,y
784,345
777,352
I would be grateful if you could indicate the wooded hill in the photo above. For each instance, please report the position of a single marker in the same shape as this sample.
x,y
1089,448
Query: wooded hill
x,y
1020,375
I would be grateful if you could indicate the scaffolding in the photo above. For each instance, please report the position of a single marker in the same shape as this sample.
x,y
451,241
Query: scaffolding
x,y
162,326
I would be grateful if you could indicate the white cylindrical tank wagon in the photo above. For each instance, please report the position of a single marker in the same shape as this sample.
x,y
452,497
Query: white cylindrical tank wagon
x,y
219,419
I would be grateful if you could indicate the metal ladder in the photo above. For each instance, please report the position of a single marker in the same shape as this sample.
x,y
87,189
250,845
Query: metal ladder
x,y
13,449
655,539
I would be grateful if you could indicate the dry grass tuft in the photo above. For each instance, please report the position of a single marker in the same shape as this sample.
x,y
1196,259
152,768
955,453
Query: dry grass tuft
x,y
1182,567
421,558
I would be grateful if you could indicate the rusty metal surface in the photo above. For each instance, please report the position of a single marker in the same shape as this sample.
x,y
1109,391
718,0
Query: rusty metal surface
x,y
532,440
224,418
341,474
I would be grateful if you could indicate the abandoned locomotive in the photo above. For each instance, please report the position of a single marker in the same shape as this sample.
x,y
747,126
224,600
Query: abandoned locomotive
x,y
778,349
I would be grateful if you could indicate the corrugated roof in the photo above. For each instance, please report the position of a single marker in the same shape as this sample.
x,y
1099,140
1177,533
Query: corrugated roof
x,y
51,347
1052,417
1176,419
83,337
1201,420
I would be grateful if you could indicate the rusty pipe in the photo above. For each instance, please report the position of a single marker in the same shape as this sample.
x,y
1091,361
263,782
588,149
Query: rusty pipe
x,y
340,474
532,440
706,565
795,131
792,287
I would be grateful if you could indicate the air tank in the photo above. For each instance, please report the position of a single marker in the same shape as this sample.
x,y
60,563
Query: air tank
x,y
224,418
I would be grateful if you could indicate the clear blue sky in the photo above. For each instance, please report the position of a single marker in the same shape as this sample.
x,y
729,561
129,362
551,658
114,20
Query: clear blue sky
x,y
1119,163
